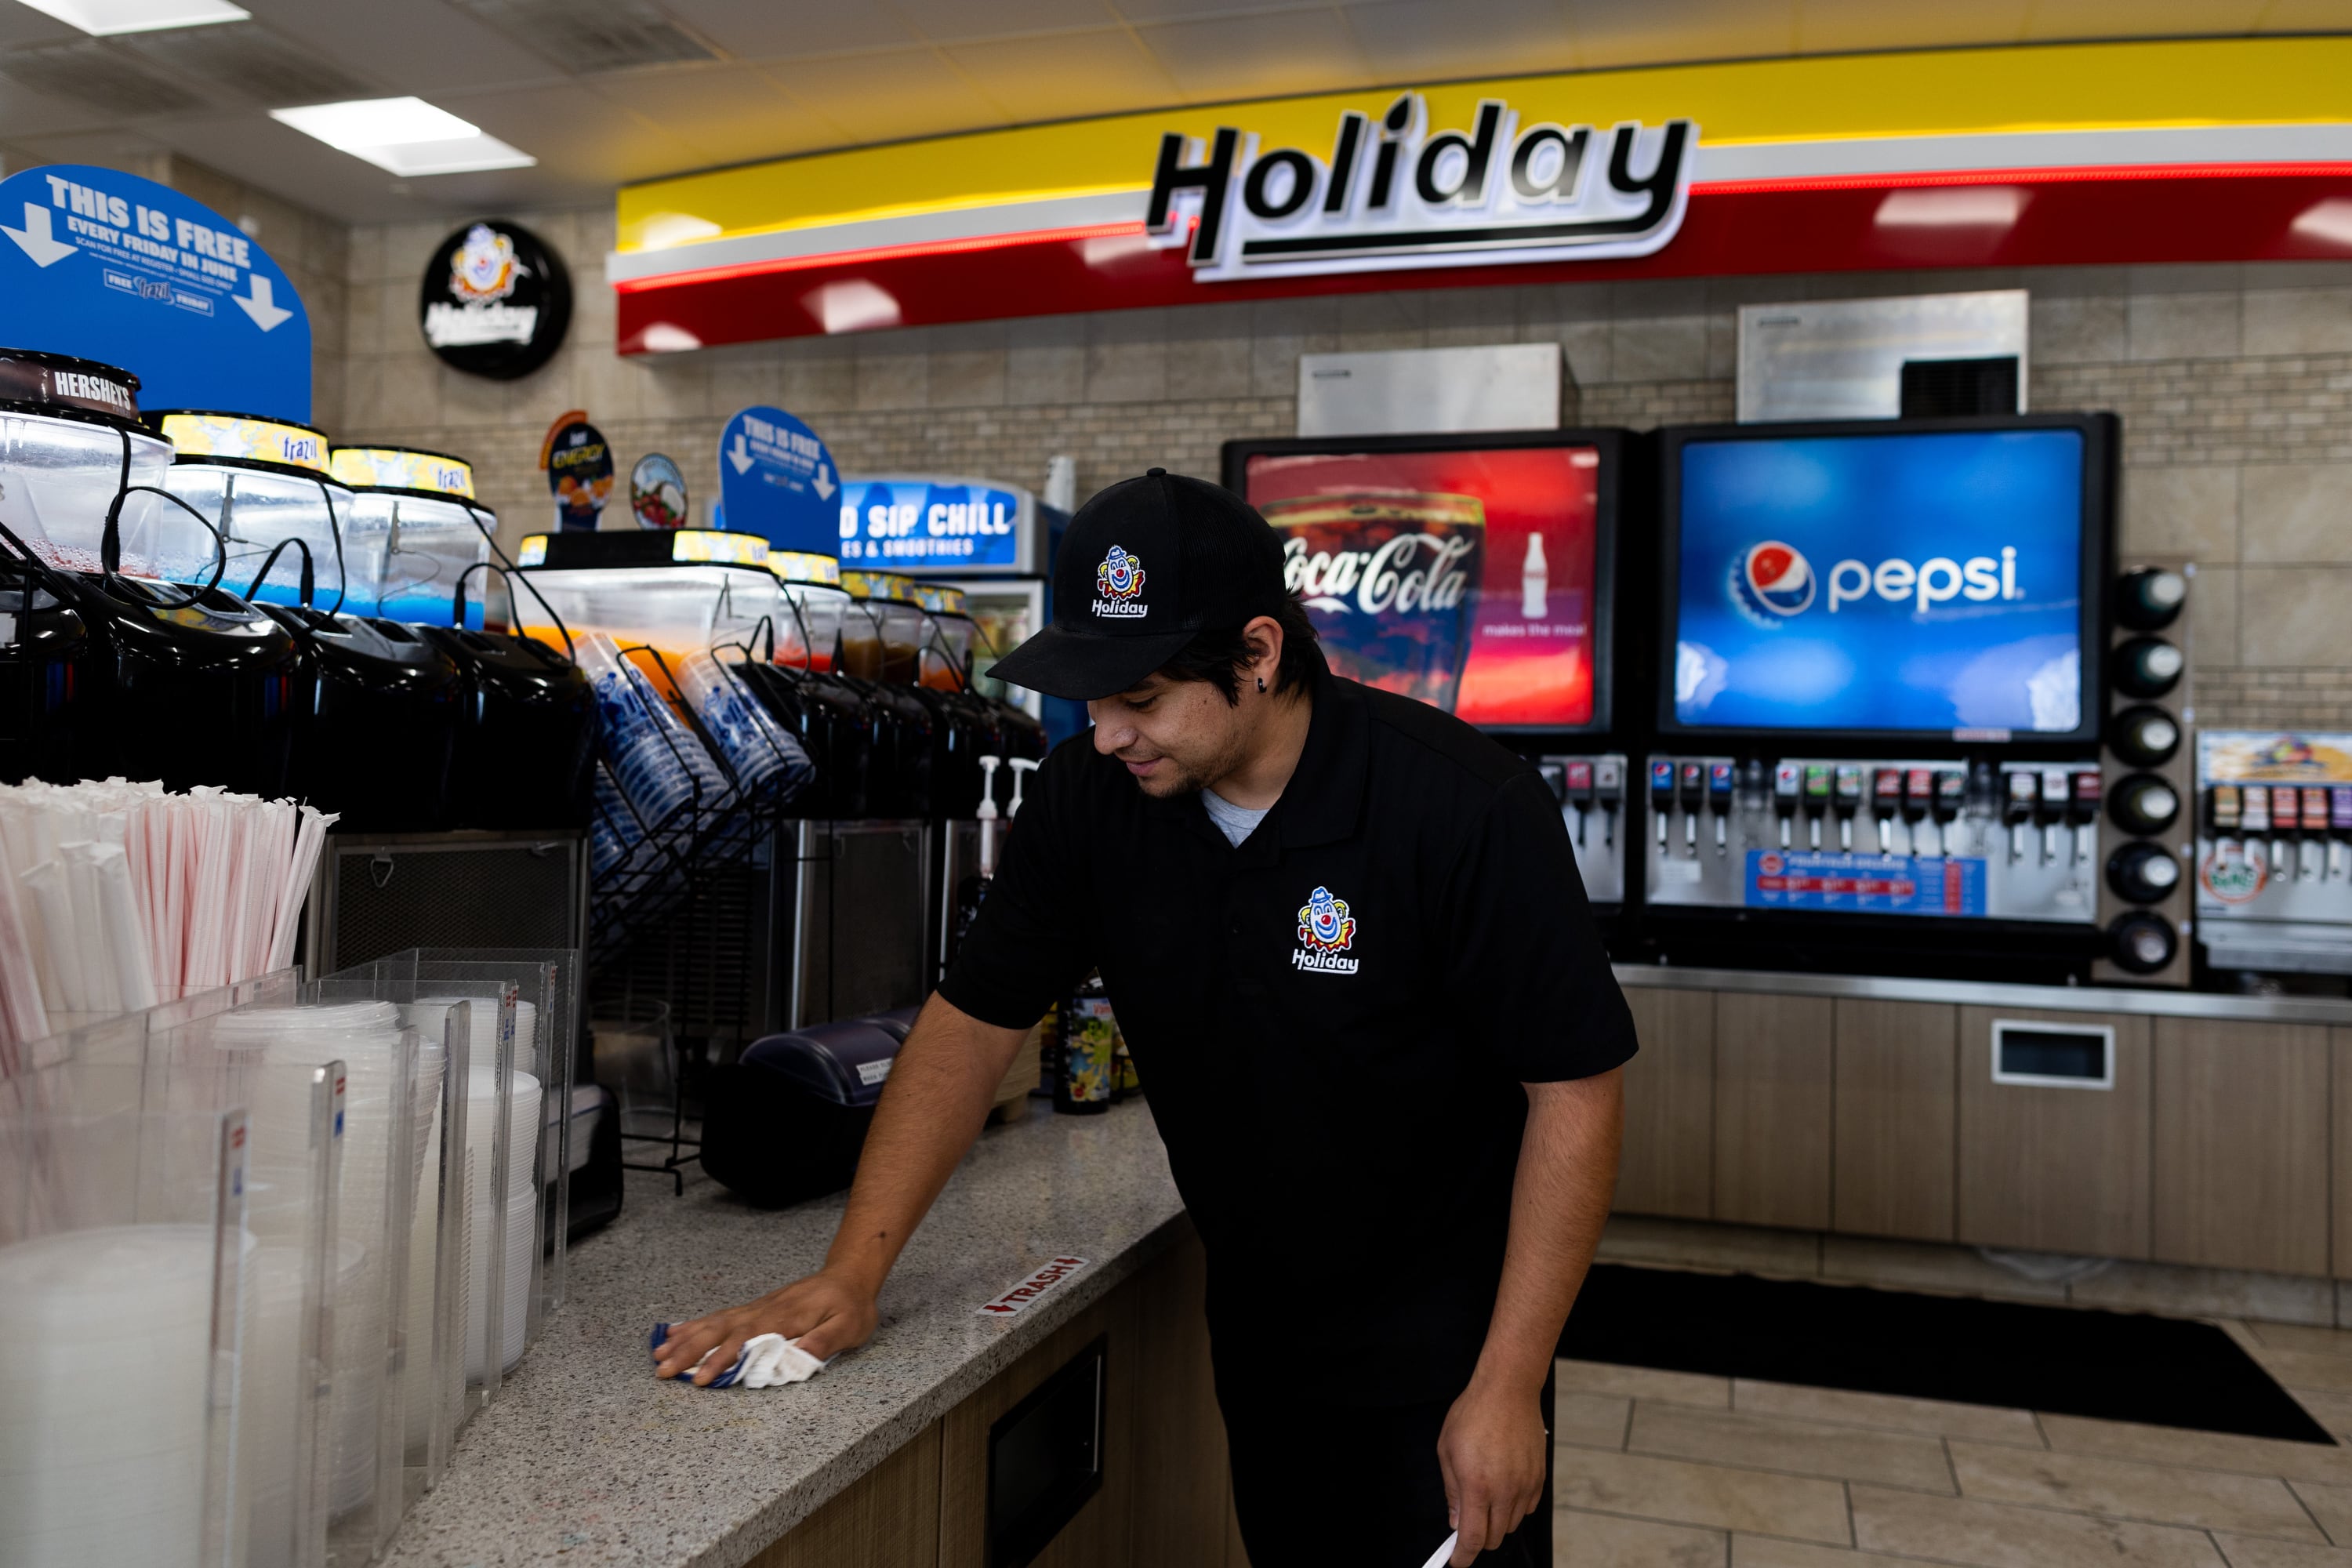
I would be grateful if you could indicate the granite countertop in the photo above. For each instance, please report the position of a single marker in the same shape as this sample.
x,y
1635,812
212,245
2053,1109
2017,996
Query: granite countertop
x,y
587,1458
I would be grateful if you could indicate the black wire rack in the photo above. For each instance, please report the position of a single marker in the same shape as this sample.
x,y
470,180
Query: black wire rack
x,y
669,915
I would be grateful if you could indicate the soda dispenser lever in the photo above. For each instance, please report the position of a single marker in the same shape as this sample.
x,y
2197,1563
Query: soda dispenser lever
x,y
2254,821
2340,826
1662,796
2057,793
2018,810
1609,794
1885,801
1719,800
2286,818
1918,794
1817,800
1576,783
1694,796
1787,780
1848,801
1951,794
2316,863
2084,812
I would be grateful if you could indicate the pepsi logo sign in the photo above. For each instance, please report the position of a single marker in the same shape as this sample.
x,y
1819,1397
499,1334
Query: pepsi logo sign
x,y
1773,579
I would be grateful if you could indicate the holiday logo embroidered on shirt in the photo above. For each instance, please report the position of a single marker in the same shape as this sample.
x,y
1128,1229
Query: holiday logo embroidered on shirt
x,y
1118,583
1325,930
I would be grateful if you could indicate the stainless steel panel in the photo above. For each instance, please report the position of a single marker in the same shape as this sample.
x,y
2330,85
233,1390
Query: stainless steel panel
x,y
1414,392
1842,359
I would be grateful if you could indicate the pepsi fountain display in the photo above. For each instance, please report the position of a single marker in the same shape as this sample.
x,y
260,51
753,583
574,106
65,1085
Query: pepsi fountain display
x,y
1880,700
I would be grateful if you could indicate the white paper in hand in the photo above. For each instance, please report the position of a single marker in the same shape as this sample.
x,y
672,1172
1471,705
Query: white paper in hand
x,y
1437,1558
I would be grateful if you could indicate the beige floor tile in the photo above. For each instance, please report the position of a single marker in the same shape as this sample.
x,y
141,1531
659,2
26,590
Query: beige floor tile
x,y
2331,1506
1763,1551
1993,1536
2261,1552
1642,1382
1937,1418
2297,1337
1698,1243
1678,1492
1590,1420
2308,1369
2129,1489
2204,1450
1800,1447
1600,1540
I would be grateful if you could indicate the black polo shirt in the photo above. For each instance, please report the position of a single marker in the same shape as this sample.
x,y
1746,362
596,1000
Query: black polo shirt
x,y
1336,1077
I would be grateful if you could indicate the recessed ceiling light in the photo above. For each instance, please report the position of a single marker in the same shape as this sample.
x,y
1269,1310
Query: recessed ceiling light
x,y
405,135
104,17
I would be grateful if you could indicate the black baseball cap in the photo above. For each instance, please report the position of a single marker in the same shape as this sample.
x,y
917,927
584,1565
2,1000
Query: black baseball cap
x,y
1145,567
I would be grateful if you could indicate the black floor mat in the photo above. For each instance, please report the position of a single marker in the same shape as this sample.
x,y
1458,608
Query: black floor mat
x,y
2068,1361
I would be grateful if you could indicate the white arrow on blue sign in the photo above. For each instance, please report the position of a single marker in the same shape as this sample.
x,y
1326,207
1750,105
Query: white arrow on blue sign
x,y
776,480
112,268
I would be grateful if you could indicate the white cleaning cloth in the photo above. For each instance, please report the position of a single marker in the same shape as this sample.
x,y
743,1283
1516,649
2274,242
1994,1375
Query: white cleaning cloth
x,y
767,1361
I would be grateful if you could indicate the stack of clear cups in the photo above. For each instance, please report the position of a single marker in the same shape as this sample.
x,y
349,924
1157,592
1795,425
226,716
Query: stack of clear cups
x,y
768,759
658,763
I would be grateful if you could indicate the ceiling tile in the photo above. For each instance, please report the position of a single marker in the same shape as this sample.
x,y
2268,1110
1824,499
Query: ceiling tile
x,y
1254,57
100,75
23,24
761,29
733,115
1429,40
1646,32
247,63
1066,74
1836,26
2056,19
575,131
24,112
888,96
952,21
1186,10
425,49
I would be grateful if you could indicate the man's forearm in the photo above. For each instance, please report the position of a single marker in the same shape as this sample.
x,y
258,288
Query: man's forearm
x,y
940,1088
1559,1201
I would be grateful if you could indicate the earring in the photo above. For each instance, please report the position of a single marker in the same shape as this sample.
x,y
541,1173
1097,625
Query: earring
x,y
1261,683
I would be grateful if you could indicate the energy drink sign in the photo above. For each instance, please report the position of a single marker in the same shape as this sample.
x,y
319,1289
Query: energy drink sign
x,y
1463,578
109,266
913,522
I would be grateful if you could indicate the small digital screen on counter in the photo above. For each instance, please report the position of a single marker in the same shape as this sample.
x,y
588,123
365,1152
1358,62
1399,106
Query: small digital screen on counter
x,y
1463,578
1910,580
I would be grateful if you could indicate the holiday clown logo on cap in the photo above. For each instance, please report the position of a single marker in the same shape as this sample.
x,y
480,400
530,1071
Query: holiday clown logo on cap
x,y
1118,583
1326,931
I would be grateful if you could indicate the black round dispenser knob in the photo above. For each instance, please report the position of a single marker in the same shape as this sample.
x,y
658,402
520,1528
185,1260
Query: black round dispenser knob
x,y
2149,599
2145,736
2142,942
2143,804
2143,873
2147,667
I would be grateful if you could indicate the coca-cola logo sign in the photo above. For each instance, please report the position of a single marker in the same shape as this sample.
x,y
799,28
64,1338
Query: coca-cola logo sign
x,y
1407,573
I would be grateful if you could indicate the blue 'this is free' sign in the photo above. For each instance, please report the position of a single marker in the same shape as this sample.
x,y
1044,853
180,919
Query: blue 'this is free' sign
x,y
109,266
776,480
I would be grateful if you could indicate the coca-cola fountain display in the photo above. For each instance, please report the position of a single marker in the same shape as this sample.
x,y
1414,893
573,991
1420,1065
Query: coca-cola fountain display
x,y
1477,573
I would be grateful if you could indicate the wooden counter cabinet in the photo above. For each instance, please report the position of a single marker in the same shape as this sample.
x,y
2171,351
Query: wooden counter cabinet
x,y
1164,1499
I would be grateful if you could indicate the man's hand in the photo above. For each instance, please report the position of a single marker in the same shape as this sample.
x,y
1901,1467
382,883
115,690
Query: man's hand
x,y
1491,1453
823,1312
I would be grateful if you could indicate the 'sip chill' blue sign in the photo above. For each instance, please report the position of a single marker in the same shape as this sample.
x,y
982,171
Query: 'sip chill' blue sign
x,y
109,266
909,523
776,480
